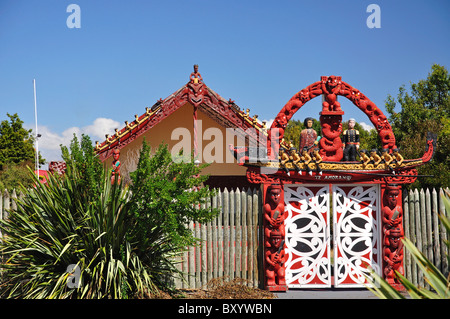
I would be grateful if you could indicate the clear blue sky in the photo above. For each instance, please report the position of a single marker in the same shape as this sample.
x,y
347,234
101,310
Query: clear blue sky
x,y
128,54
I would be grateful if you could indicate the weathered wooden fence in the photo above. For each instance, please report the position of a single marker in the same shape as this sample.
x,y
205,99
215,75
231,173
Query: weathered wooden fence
x,y
230,244
422,226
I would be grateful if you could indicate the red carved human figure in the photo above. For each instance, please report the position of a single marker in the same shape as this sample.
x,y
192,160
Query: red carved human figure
x,y
392,211
274,232
274,210
331,86
393,233
115,173
393,255
275,259
195,76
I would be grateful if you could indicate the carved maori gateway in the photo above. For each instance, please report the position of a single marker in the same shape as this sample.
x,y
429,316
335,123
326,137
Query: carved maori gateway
x,y
366,198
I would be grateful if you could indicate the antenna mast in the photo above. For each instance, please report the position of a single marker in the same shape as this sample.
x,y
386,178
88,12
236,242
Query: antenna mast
x,y
36,136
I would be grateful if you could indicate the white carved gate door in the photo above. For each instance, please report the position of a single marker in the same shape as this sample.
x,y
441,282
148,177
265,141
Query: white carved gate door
x,y
356,234
307,236
356,211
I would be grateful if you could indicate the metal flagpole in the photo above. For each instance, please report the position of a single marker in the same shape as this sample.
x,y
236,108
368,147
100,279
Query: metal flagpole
x,y
36,136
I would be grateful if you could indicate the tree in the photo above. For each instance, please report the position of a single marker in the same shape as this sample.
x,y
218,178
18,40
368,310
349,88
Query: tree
x,y
168,193
425,108
81,158
16,153
16,143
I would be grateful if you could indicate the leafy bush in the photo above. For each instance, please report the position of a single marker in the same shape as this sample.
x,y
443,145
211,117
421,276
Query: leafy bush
x,y
121,239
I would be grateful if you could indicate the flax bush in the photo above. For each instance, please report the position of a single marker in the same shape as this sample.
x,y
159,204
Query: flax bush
x,y
78,236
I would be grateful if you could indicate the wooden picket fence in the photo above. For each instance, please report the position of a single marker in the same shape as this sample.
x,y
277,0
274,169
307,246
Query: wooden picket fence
x,y
231,244
422,226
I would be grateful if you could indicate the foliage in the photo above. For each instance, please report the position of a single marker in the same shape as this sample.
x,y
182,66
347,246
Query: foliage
x,y
425,108
168,192
16,143
437,281
81,160
122,240
14,175
16,153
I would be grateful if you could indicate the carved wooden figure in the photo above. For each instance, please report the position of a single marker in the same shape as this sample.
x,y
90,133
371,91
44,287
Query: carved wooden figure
x,y
275,259
115,173
392,215
274,233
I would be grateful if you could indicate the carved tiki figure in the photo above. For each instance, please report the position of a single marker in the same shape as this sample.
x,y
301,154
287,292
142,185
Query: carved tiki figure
x,y
392,213
274,210
393,254
275,259
115,173
330,87
195,77
274,232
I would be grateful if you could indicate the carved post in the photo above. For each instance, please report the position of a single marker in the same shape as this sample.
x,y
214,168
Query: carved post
x,y
331,119
274,234
392,216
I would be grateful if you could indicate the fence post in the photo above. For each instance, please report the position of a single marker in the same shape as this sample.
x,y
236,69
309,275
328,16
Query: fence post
x,y
238,226
444,238
256,207
191,274
209,242
429,228
407,222
436,249
232,236
220,234
226,231
244,212
203,248
215,254
250,237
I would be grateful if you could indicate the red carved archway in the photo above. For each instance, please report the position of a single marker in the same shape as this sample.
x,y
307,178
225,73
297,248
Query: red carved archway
x,y
331,115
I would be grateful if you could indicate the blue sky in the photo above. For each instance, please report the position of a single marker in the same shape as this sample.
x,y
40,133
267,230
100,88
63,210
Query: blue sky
x,y
128,54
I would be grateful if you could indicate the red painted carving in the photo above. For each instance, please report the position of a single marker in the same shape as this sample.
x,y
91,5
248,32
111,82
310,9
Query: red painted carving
x,y
392,213
274,233
115,173
331,87
330,143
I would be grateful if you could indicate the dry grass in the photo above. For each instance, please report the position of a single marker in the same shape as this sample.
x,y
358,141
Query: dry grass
x,y
223,288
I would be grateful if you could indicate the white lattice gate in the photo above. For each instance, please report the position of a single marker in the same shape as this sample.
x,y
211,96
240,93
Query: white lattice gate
x,y
356,234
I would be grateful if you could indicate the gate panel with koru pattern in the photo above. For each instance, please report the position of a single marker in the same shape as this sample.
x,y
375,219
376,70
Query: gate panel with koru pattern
x,y
307,236
355,235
